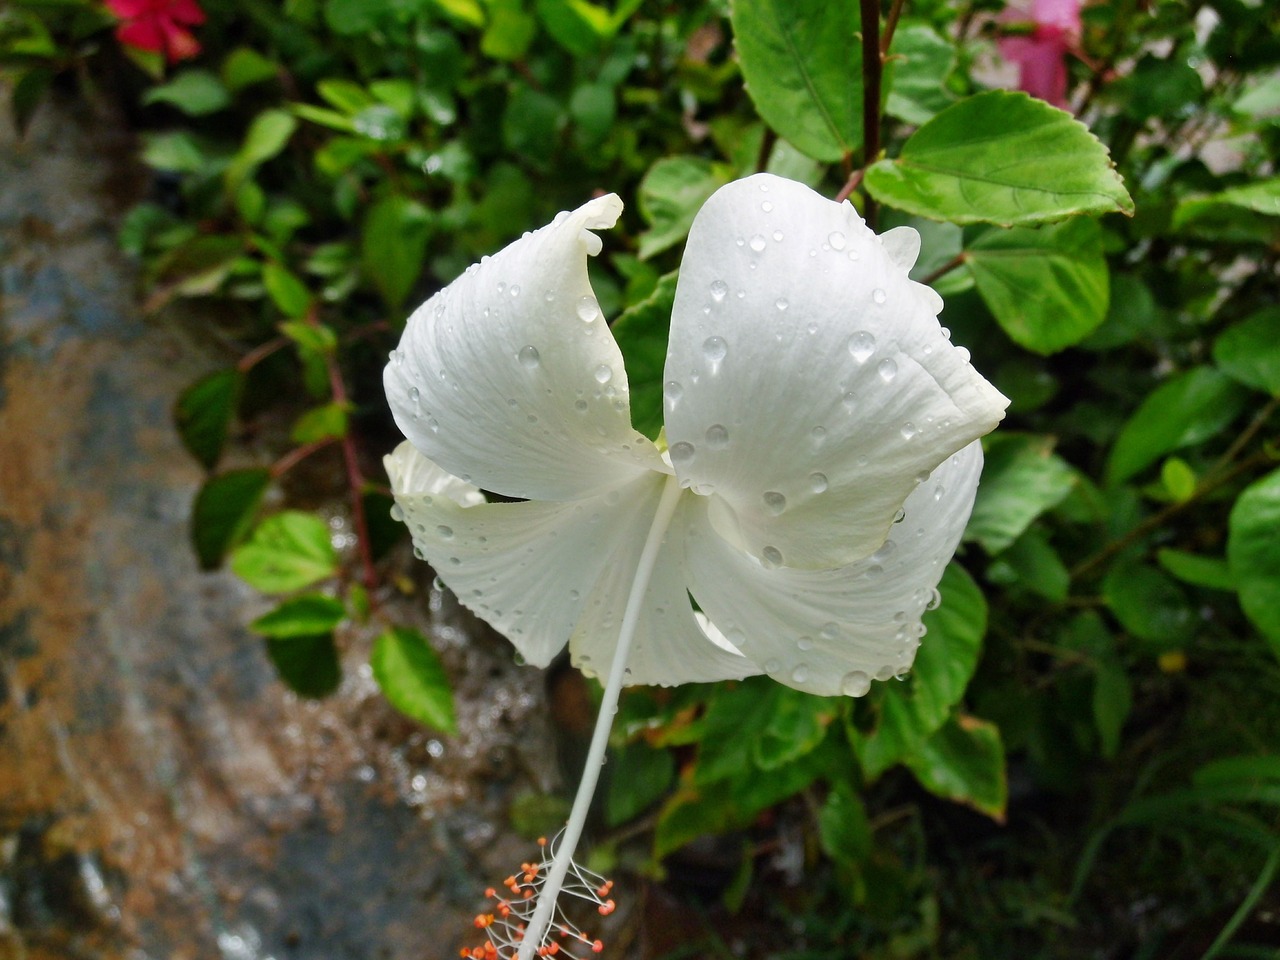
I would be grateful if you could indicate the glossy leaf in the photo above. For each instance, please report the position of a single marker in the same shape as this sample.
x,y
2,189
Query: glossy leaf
x,y
964,761
802,62
204,412
914,75
288,551
223,512
1253,552
1021,479
671,194
1187,409
1001,157
1249,351
1047,288
413,679
308,615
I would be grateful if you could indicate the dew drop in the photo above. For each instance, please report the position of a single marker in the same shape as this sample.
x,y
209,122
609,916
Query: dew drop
x,y
885,673
775,503
887,370
717,437
397,514
781,303
580,406
515,290
862,345
855,684
878,295
549,296
414,395
682,453
715,350
528,357
672,391
818,436
801,673
772,556
804,643
909,430
939,491
818,482
777,236
603,373
836,240
446,533
772,666
830,631
588,309
935,600
767,207
963,353
758,243
719,289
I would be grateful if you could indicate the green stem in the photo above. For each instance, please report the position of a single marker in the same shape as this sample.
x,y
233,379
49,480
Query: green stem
x,y
537,928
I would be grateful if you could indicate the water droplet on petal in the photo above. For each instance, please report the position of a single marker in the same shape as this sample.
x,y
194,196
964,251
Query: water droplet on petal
x,y
672,391
862,345
775,503
855,684
719,289
935,600
515,290
939,491
836,240
588,309
909,430
580,406
397,514
717,436
603,373
446,533
801,673
682,453
818,436
414,394
830,631
772,666
777,236
767,207
771,556
528,357
818,482
887,370
804,644
781,303
715,350
758,243
878,295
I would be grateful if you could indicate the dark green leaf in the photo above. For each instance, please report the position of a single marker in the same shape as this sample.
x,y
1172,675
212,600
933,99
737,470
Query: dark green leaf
x,y
1150,605
308,615
1031,562
413,679
223,511
308,665
1021,479
843,829
393,245
1253,551
964,761
641,332
204,412
802,62
1189,408
1001,157
1249,351
1210,572
1047,288
287,292
639,776
288,551
1112,701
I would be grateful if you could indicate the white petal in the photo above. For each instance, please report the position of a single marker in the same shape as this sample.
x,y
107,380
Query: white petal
x,y
529,569
509,377
809,384
902,244
670,645
831,632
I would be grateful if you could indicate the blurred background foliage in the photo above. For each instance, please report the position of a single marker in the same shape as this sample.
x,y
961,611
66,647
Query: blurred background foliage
x,y
1086,759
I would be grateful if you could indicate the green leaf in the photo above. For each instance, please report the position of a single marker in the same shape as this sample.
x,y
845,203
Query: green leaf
x,y
910,712
642,333
671,194
576,25
1031,562
1178,479
288,551
509,32
919,62
796,725
287,292
1249,351
413,679
531,124
1262,197
843,829
266,137
245,67
1112,701
1001,157
1048,287
176,151
639,776
1212,573
393,245
204,411
1150,605
307,615
1021,479
1187,409
316,338
802,63
223,511
308,665
196,93
964,761
321,423
1253,553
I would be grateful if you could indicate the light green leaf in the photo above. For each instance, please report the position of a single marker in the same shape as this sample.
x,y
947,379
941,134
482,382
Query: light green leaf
x,y
509,32
196,93
910,712
1021,479
802,62
393,245
307,615
203,413
1001,157
321,423
919,63
287,292
1047,288
223,511
1187,409
288,551
265,138
964,761
245,67
1253,552
1260,197
1210,572
413,679
1249,351
671,194
176,151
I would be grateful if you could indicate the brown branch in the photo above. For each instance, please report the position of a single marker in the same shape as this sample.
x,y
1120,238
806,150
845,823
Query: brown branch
x,y
872,73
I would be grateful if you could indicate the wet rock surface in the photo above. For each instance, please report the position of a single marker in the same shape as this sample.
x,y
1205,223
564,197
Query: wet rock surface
x,y
161,794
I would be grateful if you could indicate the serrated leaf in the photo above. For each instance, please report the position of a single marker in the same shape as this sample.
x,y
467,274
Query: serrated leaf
x,y
1001,157
413,679
308,615
1021,479
1187,409
307,664
671,194
1253,553
964,761
1048,288
223,511
1249,351
393,245
204,412
802,63
288,551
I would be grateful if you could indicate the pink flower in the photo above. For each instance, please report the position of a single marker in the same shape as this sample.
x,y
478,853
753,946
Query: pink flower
x,y
1041,54
159,26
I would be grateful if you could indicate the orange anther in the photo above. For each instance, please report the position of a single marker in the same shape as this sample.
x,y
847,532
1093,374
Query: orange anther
x,y
542,841
607,908
483,920
490,892
597,947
